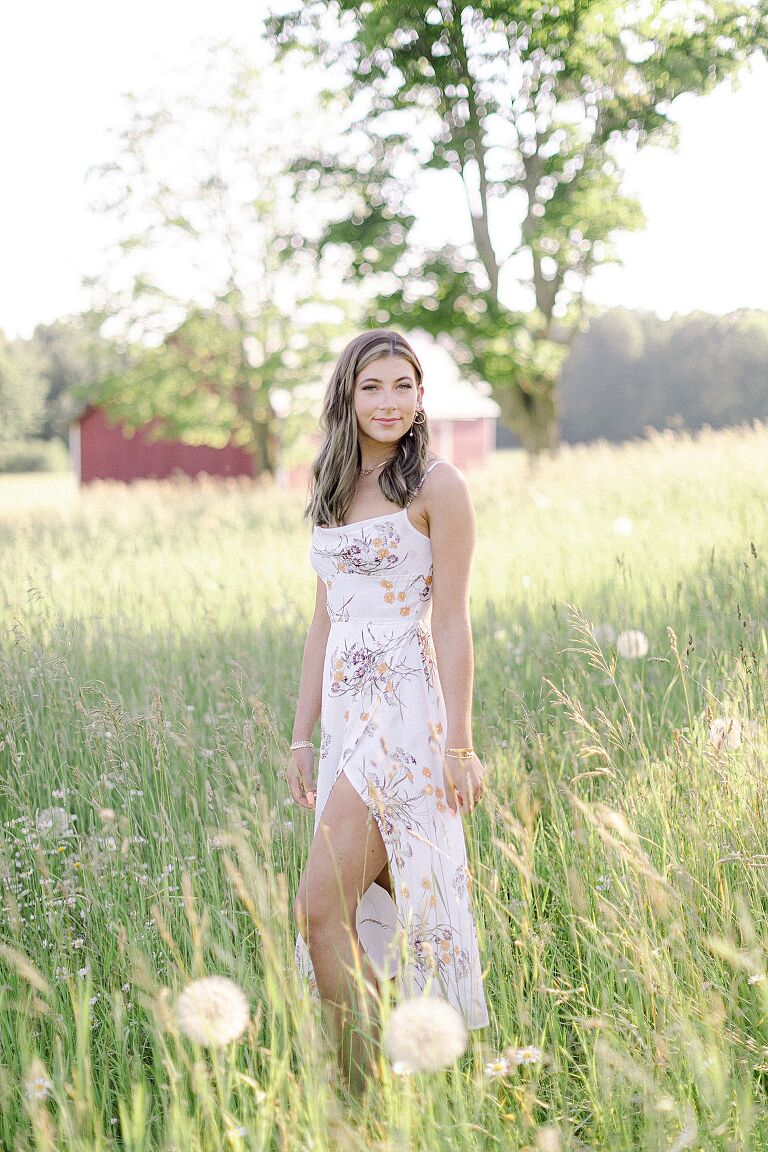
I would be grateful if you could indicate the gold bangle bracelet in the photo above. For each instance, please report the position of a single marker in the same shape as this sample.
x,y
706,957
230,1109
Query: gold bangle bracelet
x,y
460,755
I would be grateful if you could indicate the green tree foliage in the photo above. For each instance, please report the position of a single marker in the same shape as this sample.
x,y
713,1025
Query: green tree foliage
x,y
73,355
529,107
22,390
631,371
218,314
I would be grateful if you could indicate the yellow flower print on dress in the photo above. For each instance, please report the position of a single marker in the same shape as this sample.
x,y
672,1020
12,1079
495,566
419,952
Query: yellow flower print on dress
x,y
365,553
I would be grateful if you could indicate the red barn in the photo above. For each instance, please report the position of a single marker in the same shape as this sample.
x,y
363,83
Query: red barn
x,y
102,451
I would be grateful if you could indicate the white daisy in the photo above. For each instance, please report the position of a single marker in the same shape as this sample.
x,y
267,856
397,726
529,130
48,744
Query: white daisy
x,y
499,1066
527,1055
37,1088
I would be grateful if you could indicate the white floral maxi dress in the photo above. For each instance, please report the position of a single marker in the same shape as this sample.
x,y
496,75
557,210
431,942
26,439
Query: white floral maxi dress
x,y
383,724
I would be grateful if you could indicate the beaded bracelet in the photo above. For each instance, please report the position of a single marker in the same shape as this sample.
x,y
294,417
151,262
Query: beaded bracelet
x,y
302,744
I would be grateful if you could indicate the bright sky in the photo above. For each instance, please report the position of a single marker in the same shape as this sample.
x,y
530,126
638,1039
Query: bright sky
x,y
63,68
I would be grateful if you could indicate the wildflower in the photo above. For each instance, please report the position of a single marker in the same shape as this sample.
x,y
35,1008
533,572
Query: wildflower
x,y
725,731
756,978
401,1068
527,1055
500,1066
622,526
54,820
37,1088
632,644
426,1033
212,1011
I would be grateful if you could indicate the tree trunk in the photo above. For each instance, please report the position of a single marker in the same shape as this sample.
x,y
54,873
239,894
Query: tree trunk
x,y
265,448
532,416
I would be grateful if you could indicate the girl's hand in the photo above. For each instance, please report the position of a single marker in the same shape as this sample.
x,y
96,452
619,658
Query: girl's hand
x,y
463,782
299,774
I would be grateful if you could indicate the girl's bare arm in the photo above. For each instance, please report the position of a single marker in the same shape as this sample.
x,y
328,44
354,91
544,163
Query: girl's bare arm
x,y
311,686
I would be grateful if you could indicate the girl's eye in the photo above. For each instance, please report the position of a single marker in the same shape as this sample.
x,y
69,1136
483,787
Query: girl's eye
x,y
368,387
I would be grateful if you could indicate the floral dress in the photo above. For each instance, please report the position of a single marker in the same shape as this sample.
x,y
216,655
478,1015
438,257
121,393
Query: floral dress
x,y
383,724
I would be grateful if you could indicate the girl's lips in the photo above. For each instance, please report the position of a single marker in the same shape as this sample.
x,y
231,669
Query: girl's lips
x,y
394,421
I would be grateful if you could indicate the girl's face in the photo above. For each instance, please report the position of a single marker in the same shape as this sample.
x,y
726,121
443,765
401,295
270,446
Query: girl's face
x,y
385,389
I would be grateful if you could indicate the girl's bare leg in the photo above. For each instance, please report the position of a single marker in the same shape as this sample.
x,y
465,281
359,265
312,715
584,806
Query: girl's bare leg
x,y
347,854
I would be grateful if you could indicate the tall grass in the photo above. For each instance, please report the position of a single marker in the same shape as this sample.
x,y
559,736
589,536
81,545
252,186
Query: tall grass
x,y
150,655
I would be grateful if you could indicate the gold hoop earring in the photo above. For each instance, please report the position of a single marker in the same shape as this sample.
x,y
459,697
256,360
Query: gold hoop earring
x,y
415,421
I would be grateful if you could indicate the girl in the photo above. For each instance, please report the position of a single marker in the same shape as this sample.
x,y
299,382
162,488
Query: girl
x,y
388,670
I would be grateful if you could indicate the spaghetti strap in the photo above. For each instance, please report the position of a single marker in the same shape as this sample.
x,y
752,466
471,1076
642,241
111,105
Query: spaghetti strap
x,y
418,489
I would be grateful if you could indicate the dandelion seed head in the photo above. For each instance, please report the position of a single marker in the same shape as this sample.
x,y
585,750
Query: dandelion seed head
x,y
425,1032
622,526
632,644
212,1011
725,732
548,1139
52,820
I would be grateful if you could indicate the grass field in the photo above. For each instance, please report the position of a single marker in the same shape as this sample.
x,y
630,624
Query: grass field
x,y
150,651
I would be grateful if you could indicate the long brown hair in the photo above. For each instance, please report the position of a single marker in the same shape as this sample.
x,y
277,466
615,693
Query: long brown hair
x,y
337,465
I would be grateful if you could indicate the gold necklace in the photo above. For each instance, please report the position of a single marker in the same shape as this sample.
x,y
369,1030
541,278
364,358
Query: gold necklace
x,y
367,471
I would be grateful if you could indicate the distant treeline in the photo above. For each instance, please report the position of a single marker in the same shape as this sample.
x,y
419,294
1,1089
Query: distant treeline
x,y
628,371
631,370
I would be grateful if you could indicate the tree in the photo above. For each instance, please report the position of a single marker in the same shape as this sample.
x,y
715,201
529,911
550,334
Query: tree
x,y
22,390
528,106
219,313
73,355
632,370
